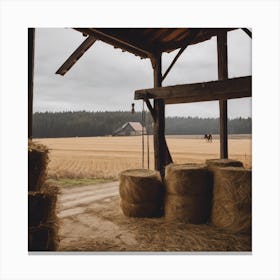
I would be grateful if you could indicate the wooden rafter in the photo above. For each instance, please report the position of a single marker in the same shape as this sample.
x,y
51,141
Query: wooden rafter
x,y
117,42
208,91
247,31
76,55
163,34
192,36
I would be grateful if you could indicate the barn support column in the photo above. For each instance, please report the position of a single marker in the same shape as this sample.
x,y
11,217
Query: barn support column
x,y
222,75
31,41
159,121
168,156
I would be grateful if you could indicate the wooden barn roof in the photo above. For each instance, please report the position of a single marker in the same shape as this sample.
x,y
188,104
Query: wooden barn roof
x,y
142,42
145,41
136,126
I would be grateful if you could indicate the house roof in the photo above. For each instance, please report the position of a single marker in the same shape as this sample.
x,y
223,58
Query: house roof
x,y
135,125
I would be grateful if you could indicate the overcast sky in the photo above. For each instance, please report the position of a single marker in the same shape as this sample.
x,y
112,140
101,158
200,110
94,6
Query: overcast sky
x,y
105,78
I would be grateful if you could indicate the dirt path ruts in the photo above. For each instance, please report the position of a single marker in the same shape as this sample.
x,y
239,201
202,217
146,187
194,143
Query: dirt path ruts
x,y
75,200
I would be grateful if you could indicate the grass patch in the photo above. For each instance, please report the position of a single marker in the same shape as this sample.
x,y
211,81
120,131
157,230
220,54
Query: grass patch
x,y
67,182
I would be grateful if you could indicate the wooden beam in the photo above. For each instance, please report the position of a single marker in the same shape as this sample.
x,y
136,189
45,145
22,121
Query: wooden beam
x,y
247,31
168,155
163,34
222,75
117,42
75,56
208,91
193,34
205,34
159,123
31,43
151,109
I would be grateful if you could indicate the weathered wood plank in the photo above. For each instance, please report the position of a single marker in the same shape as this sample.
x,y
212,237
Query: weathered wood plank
x,y
116,41
223,75
193,34
205,34
76,55
208,91
247,31
31,41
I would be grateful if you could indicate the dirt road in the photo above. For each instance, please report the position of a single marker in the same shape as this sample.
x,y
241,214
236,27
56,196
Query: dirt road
x,y
76,200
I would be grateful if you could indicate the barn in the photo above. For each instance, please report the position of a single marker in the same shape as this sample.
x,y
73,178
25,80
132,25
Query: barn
x,y
192,207
130,129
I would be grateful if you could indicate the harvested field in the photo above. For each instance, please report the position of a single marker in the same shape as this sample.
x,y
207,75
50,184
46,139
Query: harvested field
x,y
91,220
105,157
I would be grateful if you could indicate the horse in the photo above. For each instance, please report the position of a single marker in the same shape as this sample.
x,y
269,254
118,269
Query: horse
x,y
208,137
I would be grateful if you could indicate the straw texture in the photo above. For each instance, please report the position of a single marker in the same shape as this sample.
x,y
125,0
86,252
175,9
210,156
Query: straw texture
x,y
232,196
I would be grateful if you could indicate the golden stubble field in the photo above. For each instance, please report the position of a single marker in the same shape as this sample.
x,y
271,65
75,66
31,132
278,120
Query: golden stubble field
x,y
105,157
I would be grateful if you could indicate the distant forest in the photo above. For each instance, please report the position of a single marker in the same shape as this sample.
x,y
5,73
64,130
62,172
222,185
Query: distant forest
x,y
72,124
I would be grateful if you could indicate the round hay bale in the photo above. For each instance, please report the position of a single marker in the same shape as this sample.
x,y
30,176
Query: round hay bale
x,y
190,209
187,179
232,199
140,185
212,163
43,237
37,165
141,210
41,207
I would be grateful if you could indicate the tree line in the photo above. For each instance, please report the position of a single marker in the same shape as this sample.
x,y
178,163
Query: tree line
x,y
85,124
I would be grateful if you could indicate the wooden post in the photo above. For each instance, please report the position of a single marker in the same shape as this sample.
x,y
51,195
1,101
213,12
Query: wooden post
x,y
159,123
223,74
31,41
167,153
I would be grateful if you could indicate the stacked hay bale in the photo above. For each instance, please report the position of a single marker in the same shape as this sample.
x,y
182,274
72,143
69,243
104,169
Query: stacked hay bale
x,y
188,193
141,193
37,165
215,163
232,195
42,198
232,202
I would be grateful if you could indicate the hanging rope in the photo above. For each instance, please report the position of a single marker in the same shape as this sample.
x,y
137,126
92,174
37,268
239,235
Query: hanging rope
x,y
145,127
143,144
148,148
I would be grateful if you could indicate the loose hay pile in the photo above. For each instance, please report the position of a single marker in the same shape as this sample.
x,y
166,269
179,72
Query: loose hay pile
x,y
188,193
42,198
141,193
232,193
143,235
